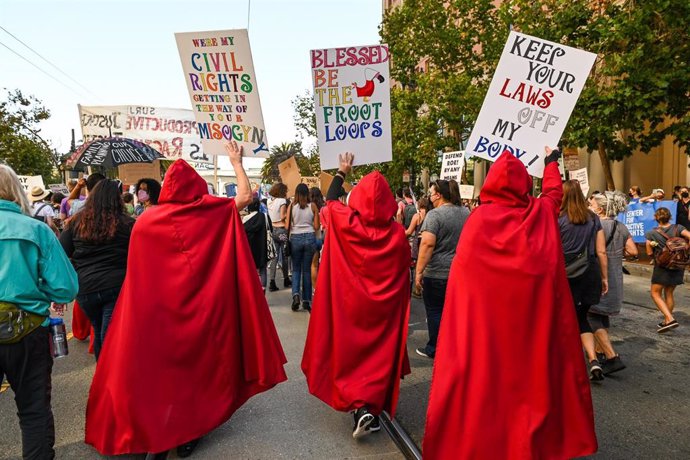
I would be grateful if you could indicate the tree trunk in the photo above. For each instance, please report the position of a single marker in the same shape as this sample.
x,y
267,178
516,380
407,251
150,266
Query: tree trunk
x,y
607,167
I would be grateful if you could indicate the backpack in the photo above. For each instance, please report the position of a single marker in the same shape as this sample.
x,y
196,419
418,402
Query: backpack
x,y
577,263
408,212
675,254
41,218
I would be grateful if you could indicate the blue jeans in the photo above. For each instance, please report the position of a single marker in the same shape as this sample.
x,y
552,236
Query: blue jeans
x,y
303,249
434,295
99,307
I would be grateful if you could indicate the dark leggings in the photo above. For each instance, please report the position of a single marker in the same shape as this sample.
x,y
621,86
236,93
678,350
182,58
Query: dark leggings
x,y
582,321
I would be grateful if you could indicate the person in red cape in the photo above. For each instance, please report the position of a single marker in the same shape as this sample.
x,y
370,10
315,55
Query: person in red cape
x,y
355,351
192,337
509,378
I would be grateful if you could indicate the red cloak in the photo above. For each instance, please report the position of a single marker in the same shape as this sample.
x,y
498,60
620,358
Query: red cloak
x,y
192,337
355,352
509,376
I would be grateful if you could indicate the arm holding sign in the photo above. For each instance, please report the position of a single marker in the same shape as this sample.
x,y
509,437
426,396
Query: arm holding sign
x,y
552,189
345,167
244,189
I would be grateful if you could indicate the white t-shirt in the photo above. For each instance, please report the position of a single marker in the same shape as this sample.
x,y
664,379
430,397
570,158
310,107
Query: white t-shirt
x,y
274,206
42,209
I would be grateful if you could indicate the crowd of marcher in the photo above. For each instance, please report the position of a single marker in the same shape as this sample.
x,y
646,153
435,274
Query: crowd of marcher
x,y
353,261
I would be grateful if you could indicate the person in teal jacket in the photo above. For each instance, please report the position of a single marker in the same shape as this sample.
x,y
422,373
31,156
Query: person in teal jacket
x,y
34,272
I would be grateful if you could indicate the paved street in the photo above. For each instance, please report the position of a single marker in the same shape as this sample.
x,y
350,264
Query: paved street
x,y
641,412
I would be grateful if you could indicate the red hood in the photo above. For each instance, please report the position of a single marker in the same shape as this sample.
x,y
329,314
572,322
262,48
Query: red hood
x,y
373,200
182,184
507,183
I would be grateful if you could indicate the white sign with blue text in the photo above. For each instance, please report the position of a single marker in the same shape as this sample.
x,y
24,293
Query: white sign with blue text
x,y
530,99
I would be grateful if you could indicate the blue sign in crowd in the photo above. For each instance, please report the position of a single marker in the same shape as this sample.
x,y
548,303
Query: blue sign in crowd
x,y
639,217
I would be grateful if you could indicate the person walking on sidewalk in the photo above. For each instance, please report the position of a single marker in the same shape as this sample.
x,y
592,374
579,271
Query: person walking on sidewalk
x,y
619,243
303,227
440,234
355,353
664,280
34,271
277,211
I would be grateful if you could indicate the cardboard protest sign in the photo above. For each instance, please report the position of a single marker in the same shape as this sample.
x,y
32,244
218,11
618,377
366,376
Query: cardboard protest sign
x,y
451,167
173,132
530,99
59,188
311,182
219,72
352,103
581,176
131,173
290,175
325,179
639,217
29,182
466,192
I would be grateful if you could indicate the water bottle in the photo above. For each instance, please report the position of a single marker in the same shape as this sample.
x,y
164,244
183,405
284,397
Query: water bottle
x,y
59,335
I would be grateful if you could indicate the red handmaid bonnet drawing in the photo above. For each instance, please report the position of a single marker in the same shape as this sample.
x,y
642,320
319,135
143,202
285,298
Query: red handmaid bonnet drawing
x,y
366,91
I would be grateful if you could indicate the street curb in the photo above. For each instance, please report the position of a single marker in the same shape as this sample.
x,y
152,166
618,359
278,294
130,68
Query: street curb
x,y
645,271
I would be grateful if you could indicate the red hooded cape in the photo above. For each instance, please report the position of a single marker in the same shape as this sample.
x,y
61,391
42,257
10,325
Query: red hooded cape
x,y
192,337
355,352
509,377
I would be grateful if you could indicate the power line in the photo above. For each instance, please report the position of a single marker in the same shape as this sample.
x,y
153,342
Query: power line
x,y
46,60
43,71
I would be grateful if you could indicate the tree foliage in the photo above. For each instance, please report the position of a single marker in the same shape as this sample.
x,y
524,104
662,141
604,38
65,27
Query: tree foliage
x,y
21,146
279,153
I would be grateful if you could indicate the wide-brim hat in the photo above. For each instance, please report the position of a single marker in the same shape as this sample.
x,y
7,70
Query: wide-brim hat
x,y
37,194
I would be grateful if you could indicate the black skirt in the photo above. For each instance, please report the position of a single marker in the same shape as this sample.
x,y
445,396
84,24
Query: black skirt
x,y
667,277
586,288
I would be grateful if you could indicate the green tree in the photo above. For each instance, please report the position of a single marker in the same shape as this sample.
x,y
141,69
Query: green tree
x,y
282,152
21,145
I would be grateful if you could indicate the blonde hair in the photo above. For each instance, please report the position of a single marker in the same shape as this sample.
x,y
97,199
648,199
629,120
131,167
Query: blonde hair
x,y
11,189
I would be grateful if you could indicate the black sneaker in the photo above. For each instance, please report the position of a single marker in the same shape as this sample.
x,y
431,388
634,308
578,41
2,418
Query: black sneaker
x,y
595,372
287,283
295,302
375,425
612,365
158,456
363,420
601,357
185,450
306,306
422,352
663,327
273,286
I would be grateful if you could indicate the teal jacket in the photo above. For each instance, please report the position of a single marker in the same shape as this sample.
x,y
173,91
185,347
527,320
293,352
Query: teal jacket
x,y
34,269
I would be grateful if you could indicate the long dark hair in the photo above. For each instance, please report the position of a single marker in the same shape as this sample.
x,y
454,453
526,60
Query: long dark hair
x,y
97,222
316,197
153,189
302,195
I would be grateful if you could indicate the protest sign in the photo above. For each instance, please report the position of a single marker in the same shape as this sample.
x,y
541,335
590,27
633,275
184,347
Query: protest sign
x,y
290,175
466,192
352,103
639,217
131,173
530,99
29,182
311,182
451,167
172,132
219,72
59,188
581,176
325,180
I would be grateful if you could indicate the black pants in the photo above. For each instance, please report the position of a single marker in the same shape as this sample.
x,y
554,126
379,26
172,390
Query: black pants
x,y
99,307
434,295
28,365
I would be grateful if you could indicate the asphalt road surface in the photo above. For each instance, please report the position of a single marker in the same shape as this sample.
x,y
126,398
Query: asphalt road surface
x,y
642,412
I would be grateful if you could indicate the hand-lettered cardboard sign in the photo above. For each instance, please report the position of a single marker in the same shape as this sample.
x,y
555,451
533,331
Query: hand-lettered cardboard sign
x,y
325,179
29,182
352,103
530,100
466,192
59,188
311,182
290,175
452,164
219,72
